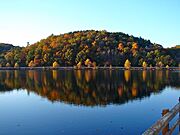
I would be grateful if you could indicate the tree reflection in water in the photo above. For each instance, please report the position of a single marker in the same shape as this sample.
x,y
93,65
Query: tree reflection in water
x,y
89,87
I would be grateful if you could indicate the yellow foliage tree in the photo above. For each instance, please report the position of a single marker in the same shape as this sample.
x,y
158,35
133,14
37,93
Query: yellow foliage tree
x,y
94,43
55,64
88,62
16,65
8,65
167,66
31,64
127,64
79,65
159,64
144,65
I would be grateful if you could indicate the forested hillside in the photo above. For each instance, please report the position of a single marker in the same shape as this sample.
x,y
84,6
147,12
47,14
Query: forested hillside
x,y
175,53
5,47
89,48
5,51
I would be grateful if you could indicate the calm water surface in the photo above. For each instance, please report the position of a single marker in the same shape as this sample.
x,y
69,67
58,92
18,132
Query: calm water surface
x,y
68,102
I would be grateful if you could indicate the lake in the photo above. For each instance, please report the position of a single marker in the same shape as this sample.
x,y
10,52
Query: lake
x,y
84,102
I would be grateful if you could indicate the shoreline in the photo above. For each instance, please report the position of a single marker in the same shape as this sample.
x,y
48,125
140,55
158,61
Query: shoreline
x,y
91,68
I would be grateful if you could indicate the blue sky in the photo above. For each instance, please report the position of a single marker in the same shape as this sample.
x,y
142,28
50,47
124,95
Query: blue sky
x,y
31,20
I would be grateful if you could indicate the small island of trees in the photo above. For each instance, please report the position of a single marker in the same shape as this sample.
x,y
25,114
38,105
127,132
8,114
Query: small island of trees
x,y
90,49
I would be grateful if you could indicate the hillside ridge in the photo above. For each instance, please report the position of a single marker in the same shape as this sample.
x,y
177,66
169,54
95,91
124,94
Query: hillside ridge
x,y
89,48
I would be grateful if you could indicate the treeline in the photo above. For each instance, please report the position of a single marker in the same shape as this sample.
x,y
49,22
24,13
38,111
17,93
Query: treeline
x,y
89,48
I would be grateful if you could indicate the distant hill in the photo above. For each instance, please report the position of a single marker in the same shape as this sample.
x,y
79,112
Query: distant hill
x,y
5,47
90,48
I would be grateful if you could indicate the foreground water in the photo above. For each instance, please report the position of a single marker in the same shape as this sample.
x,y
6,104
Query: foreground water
x,y
68,102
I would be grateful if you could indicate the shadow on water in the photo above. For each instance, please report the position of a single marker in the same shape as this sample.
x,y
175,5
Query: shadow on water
x,y
89,87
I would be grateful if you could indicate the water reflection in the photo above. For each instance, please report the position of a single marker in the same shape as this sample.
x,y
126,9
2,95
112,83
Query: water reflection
x,y
89,87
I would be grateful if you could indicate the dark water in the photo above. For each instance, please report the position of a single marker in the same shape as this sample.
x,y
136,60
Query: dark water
x,y
102,102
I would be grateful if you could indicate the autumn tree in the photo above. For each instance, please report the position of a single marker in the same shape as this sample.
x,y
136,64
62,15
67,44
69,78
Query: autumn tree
x,y
159,64
16,65
8,65
31,64
88,62
120,46
79,65
144,65
135,46
55,64
127,64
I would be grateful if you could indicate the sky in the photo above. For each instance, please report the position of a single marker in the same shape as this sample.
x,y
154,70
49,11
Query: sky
x,y
23,21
